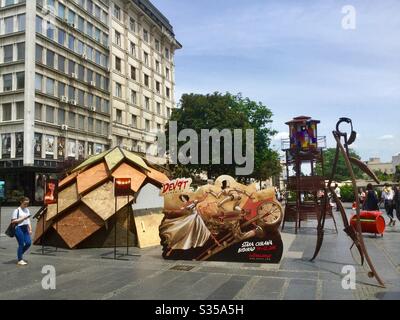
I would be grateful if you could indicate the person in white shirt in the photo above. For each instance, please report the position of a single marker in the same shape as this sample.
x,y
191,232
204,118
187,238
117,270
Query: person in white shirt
x,y
387,198
23,229
337,191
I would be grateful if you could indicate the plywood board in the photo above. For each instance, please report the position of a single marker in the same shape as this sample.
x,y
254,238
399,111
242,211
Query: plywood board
x,y
90,161
147,228
135,159
157,176
88,178
127,171
78,225
67,180
113,158
101,200
66,198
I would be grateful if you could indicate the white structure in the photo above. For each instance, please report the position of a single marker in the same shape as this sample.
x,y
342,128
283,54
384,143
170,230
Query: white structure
x,y
78,77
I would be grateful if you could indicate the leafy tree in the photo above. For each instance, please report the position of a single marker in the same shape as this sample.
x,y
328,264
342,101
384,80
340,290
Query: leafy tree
x,y
342,173
383,176
227,111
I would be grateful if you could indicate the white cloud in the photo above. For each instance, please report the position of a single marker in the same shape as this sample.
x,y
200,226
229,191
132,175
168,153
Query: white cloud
x,y
386,137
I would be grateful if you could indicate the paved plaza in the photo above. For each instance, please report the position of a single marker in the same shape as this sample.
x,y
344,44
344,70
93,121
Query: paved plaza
x,y
84,274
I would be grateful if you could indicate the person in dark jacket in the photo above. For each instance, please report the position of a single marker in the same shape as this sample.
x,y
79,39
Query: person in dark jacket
x,y
371,201
396,201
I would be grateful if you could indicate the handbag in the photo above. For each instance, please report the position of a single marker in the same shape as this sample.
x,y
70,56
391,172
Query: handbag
x,y
11,228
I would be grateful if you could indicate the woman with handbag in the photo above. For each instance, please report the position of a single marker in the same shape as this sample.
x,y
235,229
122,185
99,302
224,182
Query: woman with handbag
x,y
23,229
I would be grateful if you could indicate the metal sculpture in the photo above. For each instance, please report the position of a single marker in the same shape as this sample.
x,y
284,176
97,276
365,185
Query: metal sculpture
x,y
354,233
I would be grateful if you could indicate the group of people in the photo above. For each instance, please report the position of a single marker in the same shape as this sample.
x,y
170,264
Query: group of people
x,y
390,197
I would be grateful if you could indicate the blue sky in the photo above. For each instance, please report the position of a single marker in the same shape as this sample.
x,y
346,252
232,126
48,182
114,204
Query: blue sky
x,y
295,57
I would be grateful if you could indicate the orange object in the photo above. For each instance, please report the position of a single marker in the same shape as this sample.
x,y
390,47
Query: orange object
x,y
371,222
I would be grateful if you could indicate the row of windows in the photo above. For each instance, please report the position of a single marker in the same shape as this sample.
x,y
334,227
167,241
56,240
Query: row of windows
x,y
71,68
76,21
12,24
136,122
70,94
117,12
13,52
12,111
69,41
73,120
6,3
13,81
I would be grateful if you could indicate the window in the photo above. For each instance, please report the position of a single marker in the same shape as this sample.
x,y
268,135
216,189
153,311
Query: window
x,y
7,112
146,80
7,82
167,92
81,24
97,34
89,75
133,73
61,89
61,36
98,126
50,86
71,119
81,97
49,114
20,80
158,108
145,35
167,53
9,24
158,87
118,90
71,42
38,82
20,110
118,116
89,29
89,6
157,45
39,54
90,124
132,25
21,22
106,106
134,121
167,73
21,51
117,38
147,125
118,64
133,49
50,58
71,17
80,47
81,122
39,24
38,111
146,58
61,64
117,12
157,66
71,67
133,97
61,11
147,103
71,93
50,30
61,117
8,53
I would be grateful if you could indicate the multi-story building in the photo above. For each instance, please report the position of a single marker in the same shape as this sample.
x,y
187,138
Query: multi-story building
x,y
142,92
69,72
375,164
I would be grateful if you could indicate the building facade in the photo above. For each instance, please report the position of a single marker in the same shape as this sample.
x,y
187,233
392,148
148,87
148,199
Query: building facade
x,y
66,84
375,164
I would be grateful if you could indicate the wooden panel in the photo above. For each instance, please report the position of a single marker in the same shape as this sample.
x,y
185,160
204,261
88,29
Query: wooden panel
x,y
88,178
66,198
90,161
67,180
135,159
127,171
113,158
39,228
101,200
157,176
147,228
313,183
77,225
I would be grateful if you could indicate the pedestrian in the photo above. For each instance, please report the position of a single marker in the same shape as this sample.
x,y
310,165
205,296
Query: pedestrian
x,y
362,195
396,201
23,229
387,198
371,202
338,195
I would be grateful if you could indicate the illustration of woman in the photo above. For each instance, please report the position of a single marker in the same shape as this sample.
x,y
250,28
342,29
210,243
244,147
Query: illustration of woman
x,y
184,228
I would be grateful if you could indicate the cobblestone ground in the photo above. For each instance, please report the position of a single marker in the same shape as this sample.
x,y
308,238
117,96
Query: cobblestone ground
x,y
83,274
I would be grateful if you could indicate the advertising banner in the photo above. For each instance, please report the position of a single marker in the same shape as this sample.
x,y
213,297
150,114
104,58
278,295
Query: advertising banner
x,y
227,221
19,144
51,192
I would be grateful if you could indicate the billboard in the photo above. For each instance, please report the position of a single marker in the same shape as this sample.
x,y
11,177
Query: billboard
x,y
226,221
51,192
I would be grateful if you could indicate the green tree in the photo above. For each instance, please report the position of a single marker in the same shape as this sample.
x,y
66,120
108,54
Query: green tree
x,y
227,111
384,176
342,174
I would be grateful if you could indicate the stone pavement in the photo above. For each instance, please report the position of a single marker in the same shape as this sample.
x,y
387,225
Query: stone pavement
x,y
83,274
